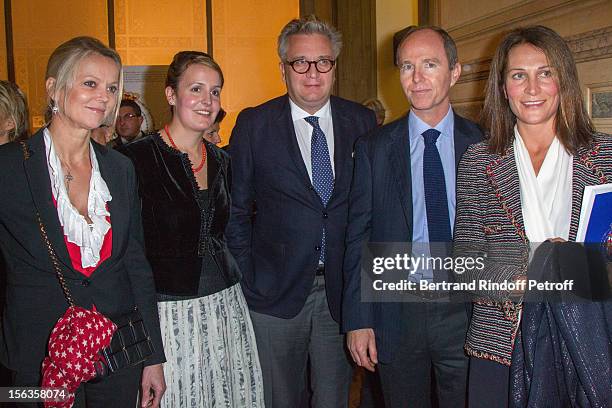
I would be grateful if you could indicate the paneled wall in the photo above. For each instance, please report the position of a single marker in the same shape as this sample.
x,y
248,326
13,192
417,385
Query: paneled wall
x,y
245,34
391,17
37,34
478,25
356,72
356,20
365,67
149,33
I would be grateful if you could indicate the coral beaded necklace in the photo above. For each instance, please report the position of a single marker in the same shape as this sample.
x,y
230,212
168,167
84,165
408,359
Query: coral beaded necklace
x,y
201,165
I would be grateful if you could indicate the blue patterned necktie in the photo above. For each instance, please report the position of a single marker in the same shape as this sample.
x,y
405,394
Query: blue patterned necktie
x,y
322,173
436,203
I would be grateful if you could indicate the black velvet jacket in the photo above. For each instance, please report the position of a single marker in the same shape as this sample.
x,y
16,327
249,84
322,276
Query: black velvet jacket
x,y
178,234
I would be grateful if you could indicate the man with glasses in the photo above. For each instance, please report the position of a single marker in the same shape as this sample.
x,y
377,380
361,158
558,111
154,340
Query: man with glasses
x,y
292,167
128,125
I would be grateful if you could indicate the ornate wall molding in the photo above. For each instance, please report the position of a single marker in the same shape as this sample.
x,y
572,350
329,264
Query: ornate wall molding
x,y
475,70
525,12
587,46
592,45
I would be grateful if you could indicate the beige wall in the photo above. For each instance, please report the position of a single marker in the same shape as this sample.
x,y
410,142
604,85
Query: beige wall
x,y
151,32
3,67
391,17
245,34
142,38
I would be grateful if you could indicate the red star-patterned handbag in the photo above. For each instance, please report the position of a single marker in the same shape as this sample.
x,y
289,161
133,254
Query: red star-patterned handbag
x,y
86,346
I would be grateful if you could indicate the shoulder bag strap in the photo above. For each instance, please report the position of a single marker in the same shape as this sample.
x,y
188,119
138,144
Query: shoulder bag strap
x,y
43,234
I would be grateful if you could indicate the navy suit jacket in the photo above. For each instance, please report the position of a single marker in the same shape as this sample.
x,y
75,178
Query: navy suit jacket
x,y
277,218
380,210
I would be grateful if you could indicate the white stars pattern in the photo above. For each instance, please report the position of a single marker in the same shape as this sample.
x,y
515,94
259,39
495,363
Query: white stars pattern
x,y
75,342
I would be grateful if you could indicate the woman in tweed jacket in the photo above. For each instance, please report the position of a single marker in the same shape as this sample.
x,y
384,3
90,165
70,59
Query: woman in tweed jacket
x,y
537,127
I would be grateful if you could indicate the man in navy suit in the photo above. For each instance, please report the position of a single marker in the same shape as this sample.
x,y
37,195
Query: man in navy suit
x,y
292,167
404,191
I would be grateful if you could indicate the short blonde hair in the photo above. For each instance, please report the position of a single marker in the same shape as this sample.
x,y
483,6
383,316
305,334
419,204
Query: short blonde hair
x,y
63,65
13,106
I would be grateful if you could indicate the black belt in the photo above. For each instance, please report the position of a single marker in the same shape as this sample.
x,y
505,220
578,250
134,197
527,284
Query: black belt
x,y
430,295
320,271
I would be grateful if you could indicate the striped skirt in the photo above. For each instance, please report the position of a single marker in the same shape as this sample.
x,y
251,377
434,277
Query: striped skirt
x,y
211,354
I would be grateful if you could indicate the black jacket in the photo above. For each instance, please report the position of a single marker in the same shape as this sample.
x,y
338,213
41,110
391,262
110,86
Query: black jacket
x,y
35,300
177,232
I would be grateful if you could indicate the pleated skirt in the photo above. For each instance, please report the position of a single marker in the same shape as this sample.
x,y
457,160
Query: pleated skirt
x,y
211,353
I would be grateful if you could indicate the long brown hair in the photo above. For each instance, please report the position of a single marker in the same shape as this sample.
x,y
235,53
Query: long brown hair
x,y
572,123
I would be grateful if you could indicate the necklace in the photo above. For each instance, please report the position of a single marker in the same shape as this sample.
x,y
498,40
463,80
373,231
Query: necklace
x,y
201,165
68,177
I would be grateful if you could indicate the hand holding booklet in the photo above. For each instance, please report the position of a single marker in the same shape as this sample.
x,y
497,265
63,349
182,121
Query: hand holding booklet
x,y
596,216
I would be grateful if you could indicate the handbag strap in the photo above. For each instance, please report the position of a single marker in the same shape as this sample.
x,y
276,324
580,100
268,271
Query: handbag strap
x,y
45,237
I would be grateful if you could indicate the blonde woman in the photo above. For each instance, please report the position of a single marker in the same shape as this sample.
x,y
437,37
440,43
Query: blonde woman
x,y
13,113
86,197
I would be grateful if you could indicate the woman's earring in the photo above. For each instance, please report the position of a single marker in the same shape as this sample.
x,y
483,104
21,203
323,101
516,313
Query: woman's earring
x,y
54,108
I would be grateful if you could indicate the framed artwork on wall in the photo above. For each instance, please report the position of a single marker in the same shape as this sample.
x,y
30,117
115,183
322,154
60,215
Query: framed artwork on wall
x,y
599,105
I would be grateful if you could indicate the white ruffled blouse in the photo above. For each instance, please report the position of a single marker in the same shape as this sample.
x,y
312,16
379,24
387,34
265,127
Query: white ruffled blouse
x,y
88,237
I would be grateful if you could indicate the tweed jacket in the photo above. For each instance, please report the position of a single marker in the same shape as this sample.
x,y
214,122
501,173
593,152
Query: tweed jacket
x,y
489,217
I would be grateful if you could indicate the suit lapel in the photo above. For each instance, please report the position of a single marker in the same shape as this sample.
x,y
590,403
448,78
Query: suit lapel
x,y
462,138
37,173
503,176
285,124
118,205
578,185
399,157
584,173
342,127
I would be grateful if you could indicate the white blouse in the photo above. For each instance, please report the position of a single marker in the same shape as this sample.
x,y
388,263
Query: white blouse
x,y
546,199
89,237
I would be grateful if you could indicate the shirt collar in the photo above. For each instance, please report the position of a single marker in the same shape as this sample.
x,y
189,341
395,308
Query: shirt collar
x,y
417,126
298,113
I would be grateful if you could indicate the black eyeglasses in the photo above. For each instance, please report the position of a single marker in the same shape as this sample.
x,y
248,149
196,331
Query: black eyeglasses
x,y
301,66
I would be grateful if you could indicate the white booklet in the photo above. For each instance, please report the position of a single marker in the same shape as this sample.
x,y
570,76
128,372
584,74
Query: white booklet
x,y
595,214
